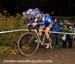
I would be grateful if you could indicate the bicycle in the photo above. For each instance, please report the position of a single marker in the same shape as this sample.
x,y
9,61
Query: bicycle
x,y
29,42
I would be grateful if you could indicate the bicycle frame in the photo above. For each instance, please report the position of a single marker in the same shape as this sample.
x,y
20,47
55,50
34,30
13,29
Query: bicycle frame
x,y
43,39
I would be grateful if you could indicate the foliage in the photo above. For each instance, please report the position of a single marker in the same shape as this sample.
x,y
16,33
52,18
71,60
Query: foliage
x,y
5,50
18,16
9,39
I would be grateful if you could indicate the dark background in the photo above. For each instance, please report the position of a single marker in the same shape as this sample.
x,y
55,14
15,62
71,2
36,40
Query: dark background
x,y
60,7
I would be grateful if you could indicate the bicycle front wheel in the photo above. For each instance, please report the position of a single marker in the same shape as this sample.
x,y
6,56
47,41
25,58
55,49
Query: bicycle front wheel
x,y
28,44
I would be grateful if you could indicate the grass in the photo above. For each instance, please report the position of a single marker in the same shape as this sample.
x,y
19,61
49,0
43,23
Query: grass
x,y
5,51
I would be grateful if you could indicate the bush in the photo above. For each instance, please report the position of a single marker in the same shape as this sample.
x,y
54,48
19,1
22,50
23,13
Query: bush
x,y
10,39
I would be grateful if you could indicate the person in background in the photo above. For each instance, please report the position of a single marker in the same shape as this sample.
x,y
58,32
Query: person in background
x,y
66,37
56,28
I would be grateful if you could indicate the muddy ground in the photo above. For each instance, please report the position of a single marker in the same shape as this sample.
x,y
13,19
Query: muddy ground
x,y
44,56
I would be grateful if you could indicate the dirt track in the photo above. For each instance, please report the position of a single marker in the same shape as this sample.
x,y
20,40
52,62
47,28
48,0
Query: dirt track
x,y
56,56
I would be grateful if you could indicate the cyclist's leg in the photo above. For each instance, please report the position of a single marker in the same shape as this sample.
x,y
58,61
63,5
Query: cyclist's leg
x,y
47,37
47,33
47,29
39,30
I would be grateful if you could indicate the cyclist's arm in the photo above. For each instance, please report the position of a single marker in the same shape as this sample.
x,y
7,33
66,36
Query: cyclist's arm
x,y
36,19
43,22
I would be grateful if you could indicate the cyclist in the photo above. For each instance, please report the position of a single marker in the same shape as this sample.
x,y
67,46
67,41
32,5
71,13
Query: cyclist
x,y
42,20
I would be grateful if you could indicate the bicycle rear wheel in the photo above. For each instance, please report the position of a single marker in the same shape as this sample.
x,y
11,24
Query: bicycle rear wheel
x,y
28,44
52,41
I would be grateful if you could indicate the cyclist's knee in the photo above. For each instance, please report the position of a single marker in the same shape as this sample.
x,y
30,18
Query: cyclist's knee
x,y
47,30
41,28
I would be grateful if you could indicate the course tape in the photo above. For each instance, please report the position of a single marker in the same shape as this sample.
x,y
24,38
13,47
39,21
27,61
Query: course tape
x,y
2,32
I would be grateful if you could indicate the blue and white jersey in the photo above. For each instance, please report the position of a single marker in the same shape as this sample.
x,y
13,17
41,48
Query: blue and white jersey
x,y
45,19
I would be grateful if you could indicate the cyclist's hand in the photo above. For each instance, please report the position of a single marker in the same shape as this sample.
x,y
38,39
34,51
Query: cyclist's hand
x,y
28,24
34,24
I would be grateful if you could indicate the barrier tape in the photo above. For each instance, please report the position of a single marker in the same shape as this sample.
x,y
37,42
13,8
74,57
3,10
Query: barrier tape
x,y
13,31
63,33
33,30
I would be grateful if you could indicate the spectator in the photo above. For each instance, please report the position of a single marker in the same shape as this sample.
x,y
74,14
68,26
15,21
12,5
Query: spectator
x,y
66,38
56,28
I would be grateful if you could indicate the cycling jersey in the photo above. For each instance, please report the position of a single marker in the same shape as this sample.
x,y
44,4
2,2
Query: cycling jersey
x,y
45,19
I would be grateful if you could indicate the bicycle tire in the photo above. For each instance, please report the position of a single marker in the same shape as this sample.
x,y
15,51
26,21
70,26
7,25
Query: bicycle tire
x,y
19,42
